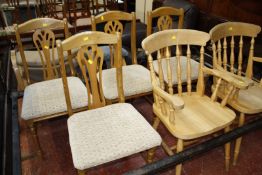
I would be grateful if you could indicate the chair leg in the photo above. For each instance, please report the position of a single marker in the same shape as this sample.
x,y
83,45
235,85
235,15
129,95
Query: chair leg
x,y
227,151
81,172
180,147
238,141
156,123
150,155
36,140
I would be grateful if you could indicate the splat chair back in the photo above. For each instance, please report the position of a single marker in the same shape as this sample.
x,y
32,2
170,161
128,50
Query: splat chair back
x,y
54,9
165,18
229,37
90,60
44,40
114,23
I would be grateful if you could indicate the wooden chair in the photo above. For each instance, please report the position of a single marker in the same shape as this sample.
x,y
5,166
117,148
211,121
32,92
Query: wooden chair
x,y
103,133
29,60
54,9
45,100
191,114
136,78
164,17
229,40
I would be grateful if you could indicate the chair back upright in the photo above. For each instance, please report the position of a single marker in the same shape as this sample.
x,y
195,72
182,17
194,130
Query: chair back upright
x,y
228,43
90,60
42,40
113,23
164,16
163,40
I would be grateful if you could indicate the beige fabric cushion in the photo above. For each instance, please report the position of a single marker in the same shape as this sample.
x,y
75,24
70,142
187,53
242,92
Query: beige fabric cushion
x,y
47,97
136,80
194,69
83,22
33,59
105,134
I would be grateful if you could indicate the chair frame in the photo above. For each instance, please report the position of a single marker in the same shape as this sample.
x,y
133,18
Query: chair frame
x,y
225,62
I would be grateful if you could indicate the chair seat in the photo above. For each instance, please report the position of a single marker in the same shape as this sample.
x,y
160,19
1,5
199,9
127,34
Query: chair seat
x,y
105,134
199,117
47,97
83,22
33,59
194,69
136,80
249,101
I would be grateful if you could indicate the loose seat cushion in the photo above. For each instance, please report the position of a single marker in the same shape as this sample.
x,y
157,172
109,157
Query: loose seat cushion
x,y
136,80
105,134
33,59
194,69
47,97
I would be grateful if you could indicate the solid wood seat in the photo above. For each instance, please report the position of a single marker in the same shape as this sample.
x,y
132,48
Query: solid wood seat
x,y
191,114
229,41
199,117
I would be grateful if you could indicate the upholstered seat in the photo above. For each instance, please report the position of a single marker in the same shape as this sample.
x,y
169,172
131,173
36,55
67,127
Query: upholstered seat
x,y
131,73
194,69
83,22
105,134
33,58
47,97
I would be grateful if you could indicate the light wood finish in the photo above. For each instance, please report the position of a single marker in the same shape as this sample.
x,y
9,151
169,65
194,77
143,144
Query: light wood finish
x,y
91,64
237,35
113,23
29,27
187,115
164,18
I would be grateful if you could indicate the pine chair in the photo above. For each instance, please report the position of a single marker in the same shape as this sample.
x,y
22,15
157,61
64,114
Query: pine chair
x,y
164,17
191,114
29,60
103,133
136,78
229,40
45,100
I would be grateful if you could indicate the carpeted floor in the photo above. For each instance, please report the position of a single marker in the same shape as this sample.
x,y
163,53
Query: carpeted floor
x,y
57,160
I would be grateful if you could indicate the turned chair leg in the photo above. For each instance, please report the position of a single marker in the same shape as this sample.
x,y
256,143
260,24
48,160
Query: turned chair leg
x,y
238,141
156,123
36,140
150,155
227,151
81,172
180,147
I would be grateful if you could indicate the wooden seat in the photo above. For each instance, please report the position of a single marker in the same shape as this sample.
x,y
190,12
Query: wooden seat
x,y
191,114
132,75
103,133
229,40
45,100
29,60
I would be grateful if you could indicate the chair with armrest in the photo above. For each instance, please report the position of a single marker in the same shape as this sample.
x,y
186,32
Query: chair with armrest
x,y
230,40
103,133
136,78
45,100
191,114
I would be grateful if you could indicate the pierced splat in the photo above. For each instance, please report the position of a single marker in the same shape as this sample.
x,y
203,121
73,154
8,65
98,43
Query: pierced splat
x,y
112,27
44,40
164,23
90,60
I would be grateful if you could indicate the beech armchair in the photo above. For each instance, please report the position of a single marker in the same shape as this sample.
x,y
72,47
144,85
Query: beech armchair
x,y
187,114
229,41
102,133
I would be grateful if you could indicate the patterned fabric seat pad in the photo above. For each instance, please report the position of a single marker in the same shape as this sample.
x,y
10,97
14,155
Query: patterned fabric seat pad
x,y
47,97
136,80
105,134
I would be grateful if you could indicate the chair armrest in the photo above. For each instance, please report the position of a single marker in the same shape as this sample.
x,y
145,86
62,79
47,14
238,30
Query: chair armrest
x,y
257,59
176,102
237,81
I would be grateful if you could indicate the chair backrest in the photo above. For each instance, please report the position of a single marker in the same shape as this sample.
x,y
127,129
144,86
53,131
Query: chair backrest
x,y
79,9
53,8
228,42
90,60
31,26
165,18
163,41
113,23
